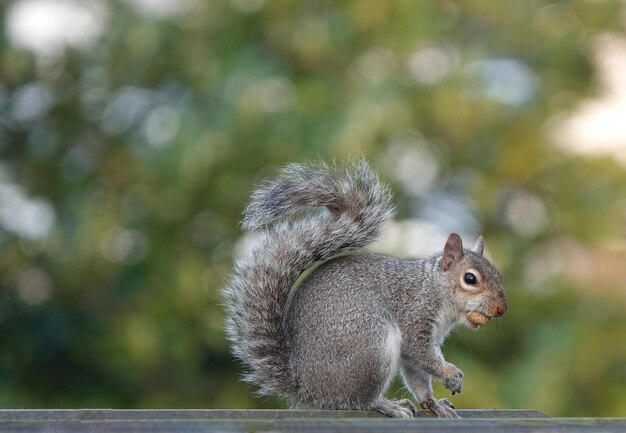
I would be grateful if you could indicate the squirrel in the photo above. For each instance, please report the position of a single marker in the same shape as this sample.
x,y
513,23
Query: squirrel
x,y
357,319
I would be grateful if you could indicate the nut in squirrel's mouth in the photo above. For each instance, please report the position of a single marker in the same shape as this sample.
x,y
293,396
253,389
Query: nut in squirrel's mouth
x,y
477,319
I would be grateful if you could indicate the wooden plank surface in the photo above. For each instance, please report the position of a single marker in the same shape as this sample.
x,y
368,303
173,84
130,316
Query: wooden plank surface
x,y
428,425
226,414
188,421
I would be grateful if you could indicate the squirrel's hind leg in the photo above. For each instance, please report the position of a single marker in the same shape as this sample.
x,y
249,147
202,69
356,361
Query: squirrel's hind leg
x,y
395,408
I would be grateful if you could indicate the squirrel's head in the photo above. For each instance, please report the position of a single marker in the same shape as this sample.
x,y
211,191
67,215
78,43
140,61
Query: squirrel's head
x,y
479,293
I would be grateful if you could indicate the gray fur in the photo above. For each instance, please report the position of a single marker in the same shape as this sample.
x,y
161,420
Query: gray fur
x,y
357,319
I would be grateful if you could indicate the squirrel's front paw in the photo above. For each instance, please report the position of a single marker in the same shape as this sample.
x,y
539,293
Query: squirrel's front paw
x,y
452,378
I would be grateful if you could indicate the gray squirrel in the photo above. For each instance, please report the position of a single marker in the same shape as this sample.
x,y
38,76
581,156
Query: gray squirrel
x,y
338,339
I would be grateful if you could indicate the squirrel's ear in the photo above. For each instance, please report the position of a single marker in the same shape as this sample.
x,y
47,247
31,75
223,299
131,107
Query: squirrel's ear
x,y
452,252
480,245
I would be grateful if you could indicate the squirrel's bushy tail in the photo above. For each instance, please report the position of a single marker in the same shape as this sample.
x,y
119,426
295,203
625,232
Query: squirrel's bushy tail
x,y
359,204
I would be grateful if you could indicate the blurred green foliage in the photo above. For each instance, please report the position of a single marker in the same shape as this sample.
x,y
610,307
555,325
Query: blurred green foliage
x,y
125,165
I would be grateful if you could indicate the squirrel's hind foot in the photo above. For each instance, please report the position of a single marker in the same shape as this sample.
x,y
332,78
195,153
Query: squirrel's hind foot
x,y
396,408
442,408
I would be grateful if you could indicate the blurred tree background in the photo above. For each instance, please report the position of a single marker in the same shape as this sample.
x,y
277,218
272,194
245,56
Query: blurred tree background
x,y
132,131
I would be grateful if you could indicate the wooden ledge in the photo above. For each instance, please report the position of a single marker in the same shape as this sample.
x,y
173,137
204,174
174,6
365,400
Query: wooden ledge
x,y
226,414
206,420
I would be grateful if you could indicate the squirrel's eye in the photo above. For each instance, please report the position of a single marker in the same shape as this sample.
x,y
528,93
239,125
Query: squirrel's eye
x,y
470,278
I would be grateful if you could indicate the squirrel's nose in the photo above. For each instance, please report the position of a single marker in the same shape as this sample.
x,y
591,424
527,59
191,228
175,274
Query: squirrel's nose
x,y
501,309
